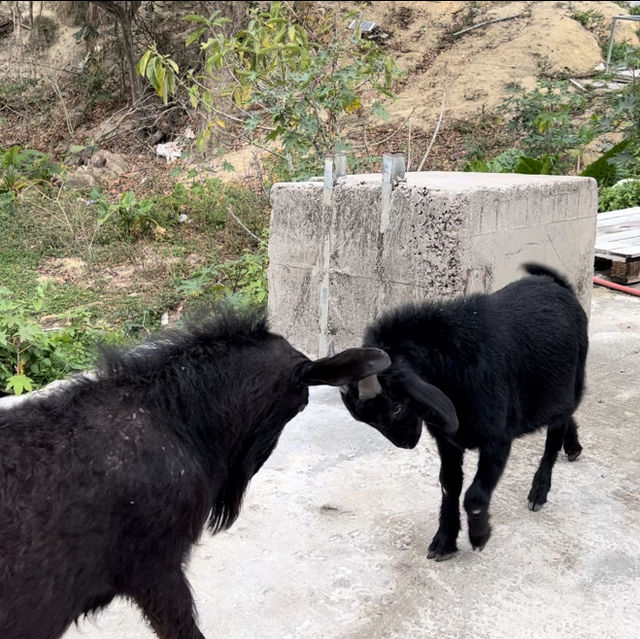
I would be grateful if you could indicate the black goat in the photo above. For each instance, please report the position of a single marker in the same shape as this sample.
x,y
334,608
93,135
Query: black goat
x,y
107,481
480,371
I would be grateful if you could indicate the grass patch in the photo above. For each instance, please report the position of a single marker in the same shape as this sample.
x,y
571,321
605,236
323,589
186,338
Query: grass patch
x,y
113,263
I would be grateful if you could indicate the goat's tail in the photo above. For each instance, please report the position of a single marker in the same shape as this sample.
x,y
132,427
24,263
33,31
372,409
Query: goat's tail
x,y
537,269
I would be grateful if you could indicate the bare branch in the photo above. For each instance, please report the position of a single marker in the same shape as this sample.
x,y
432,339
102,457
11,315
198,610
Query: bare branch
x,y
435,134
238,221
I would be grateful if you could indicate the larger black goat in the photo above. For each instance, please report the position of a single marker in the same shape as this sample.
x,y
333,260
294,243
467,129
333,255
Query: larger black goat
x,y
480,371
107,482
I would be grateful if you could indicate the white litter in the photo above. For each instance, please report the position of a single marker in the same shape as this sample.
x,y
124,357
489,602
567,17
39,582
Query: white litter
x,y
170,150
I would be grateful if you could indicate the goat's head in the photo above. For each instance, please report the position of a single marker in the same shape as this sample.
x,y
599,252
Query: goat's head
x,y
283,376
397,403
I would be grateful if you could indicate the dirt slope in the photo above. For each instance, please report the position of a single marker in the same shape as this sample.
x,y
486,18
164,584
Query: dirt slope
x,y
475,69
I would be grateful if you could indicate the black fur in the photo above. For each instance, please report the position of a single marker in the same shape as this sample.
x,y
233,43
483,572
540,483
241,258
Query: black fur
x,y
107,482
478,372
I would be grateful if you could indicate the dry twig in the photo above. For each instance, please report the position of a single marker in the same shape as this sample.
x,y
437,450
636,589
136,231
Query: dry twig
x,y
435,134
238,221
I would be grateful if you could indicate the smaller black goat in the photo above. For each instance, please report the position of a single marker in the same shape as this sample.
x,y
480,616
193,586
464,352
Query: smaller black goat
x,y
107,481
480,371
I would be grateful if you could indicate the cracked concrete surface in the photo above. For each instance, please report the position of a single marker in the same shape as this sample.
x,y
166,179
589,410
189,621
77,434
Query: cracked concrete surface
x,y
332,539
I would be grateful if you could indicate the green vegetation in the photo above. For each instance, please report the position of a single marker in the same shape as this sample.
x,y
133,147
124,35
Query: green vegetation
x,y
22,168
30,355
588,19
291,90
621,196
243,279
546,119
80,268
553,133
622,54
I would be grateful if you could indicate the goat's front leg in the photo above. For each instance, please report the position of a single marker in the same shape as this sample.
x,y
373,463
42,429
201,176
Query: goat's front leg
x,y
444,545
492,461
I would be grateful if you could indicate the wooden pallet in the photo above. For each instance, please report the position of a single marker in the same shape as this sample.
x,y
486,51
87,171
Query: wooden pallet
x,y
618,240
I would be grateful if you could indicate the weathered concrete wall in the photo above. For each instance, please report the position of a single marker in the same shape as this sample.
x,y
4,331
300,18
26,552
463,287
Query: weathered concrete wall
x,y
342,253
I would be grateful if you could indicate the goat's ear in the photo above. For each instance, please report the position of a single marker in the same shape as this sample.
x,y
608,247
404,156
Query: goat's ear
x,y
432,398
350,365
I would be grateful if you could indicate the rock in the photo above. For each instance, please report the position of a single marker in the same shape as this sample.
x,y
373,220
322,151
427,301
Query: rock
x,y
600,145
81,179
102,165
111,164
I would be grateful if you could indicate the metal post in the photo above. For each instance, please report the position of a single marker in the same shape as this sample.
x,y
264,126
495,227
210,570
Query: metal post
x,y
614,22
334,168
393,167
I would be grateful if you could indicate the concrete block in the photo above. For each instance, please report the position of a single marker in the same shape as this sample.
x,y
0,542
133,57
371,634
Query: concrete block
x,y
343,251
356,207
299,291
297,209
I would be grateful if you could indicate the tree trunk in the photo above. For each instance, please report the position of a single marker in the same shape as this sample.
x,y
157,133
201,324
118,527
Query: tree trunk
x,y
130,58
123,12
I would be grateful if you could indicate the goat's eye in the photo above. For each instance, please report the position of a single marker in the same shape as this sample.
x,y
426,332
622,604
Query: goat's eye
x,y
397,410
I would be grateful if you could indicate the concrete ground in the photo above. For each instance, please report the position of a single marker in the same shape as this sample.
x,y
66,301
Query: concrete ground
x,y
332,539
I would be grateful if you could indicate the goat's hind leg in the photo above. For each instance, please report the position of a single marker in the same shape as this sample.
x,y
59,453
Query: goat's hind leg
x,y
571,444
556,435
168,605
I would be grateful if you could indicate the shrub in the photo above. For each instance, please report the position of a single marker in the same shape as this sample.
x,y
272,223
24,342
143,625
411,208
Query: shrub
x,y
135,218
545,118
21,168
243,279
588,19
292,90
619,196
32,356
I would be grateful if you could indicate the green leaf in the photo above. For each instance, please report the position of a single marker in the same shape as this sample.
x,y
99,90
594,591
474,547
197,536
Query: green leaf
x,y
151,73
228,167
27,332
531,166
196,35
161,87
192,17
171,82
380,111
207,100
604,170
128,199
141,67
19,384
194,96
476,166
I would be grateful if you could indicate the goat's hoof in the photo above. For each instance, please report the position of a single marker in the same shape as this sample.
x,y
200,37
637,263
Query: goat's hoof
x,y
535,506
444,556
572,455
538,494
479,529
478,542
441,548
